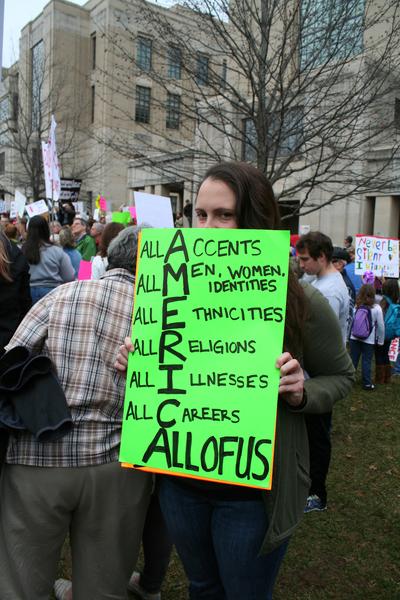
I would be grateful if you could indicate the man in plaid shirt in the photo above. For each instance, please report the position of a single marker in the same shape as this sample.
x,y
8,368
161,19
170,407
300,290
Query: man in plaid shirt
x,y
76,483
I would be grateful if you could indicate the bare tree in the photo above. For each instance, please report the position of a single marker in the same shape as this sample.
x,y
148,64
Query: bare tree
x,y
34,94
305,89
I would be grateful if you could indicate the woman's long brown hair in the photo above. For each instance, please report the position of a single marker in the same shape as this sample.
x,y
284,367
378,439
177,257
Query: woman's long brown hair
x,y
256,208
110,231
366,295
390,288
4,261
38,235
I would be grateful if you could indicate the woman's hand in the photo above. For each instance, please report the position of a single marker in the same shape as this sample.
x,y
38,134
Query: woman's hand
x,y
121,362
291,384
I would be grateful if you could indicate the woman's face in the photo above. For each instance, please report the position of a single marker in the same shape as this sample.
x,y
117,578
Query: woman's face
x,y
216,205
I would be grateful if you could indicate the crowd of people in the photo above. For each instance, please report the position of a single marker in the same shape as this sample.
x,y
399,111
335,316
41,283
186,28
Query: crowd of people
x,y
368,298
54,251
361,304
231,539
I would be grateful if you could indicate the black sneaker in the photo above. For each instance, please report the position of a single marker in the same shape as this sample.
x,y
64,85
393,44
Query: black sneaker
x,y
314,502
369,388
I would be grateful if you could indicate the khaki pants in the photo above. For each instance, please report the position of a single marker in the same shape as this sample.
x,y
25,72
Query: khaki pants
x,y
102,507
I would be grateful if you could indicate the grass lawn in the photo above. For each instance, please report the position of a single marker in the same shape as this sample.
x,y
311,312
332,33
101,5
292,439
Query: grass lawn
x,y
351,551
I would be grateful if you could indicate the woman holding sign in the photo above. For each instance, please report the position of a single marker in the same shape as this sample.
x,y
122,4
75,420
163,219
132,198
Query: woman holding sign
x,y
232,539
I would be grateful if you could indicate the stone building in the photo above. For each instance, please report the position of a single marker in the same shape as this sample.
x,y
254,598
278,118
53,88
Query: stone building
x,y
8,121
146,97
318,101
95,67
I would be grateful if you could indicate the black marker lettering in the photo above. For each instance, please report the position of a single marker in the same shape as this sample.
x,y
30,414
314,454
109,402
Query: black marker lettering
x,y
161,407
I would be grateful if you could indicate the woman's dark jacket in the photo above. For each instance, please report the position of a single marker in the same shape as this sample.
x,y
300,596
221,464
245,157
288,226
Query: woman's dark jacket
x,y
15,296
331,375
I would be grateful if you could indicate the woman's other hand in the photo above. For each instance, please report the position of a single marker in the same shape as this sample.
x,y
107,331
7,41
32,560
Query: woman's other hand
x,y
291,384
121,362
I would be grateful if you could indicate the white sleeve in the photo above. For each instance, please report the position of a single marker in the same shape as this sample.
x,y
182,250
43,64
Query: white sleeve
x,y
380,325
98,268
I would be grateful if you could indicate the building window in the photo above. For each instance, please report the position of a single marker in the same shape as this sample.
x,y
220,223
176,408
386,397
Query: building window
x,y
37,71
4,109
93,50
143,53
397,113
202,70
285,134
224,73
2,163
36,155
92,103
142,110
173,111
90,201
249,152
331,30
174,62
15,107
285,131
289,211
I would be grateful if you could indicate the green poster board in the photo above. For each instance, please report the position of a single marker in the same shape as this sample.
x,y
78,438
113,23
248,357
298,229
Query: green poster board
x,y
208,323
121,217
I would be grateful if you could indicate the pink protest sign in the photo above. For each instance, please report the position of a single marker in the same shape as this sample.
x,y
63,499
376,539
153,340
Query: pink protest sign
x,y
132,210
85,270
103,204
394,349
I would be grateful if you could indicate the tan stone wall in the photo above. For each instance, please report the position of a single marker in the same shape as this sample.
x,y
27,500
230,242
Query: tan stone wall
x,y
66,30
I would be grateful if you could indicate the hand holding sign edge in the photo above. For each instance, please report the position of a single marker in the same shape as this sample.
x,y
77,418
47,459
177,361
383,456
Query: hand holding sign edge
x,y
291,384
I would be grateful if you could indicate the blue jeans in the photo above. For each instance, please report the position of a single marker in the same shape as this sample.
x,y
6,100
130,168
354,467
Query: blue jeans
x,y
218,542
38,291
366,351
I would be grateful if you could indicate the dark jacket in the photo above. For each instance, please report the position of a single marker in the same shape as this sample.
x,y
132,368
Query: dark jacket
x,y
31,397
350,287
15,296
325,359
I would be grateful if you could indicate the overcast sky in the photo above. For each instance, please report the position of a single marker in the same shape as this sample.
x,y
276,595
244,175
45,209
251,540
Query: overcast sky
x,y
17,13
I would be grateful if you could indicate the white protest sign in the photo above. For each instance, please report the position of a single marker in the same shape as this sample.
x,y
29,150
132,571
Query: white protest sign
x,y
20,201
55,169
46,154
50,164
78,206
394,350
304,229
13,210
377,254
2,206
37,208
153,210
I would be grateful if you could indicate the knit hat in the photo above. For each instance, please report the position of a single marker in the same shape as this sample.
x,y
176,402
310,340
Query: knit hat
x,y
340,253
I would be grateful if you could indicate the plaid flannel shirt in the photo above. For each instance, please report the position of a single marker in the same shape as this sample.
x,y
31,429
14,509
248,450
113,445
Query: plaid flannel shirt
x,y
80,326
